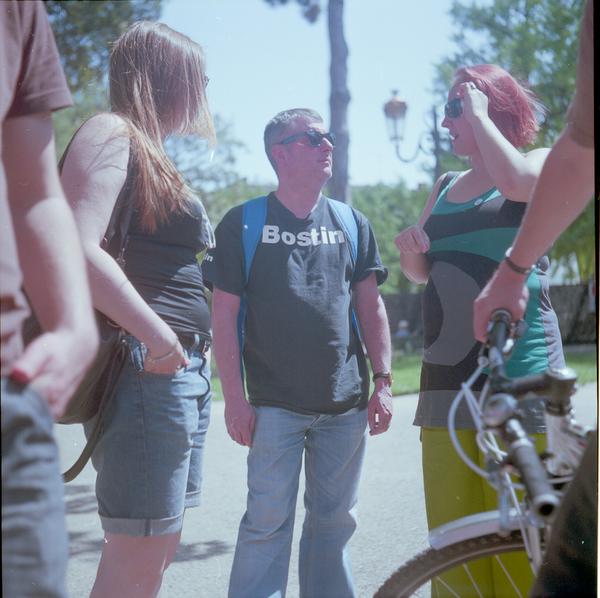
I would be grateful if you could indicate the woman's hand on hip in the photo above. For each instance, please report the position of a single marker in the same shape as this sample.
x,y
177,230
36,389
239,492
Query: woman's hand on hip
x,y
169,361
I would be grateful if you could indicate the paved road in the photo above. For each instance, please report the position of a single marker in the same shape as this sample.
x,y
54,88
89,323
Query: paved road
x,y
391,513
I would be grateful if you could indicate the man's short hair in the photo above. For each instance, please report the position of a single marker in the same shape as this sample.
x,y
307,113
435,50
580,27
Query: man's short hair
x,y
280,123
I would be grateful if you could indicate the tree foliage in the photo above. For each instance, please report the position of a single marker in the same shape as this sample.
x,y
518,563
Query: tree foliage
x,y
219,201
389,210
339,96
84,31
537,42
209,171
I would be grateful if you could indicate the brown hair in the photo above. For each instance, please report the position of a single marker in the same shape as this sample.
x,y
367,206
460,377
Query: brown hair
x,y
157,84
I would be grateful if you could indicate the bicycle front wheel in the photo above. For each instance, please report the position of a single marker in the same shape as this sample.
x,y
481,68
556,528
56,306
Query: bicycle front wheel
x,y
429,564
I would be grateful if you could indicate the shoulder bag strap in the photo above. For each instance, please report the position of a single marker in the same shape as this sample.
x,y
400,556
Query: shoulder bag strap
x,y
118,228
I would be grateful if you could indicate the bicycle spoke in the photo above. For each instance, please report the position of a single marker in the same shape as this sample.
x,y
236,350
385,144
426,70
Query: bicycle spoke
x,y
475,586
508,576
447,587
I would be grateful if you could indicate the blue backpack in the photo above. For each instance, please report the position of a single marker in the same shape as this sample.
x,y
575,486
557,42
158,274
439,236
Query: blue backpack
x,y
254,216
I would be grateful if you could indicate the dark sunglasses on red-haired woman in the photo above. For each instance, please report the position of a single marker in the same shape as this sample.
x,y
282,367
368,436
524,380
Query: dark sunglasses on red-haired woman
x,y
453,109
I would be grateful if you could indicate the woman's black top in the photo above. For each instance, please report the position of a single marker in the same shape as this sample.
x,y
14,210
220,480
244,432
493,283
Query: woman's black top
x,y
164,268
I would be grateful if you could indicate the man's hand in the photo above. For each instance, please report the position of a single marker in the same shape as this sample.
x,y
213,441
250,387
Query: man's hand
x,y
239,418
54,364
505,290
380,409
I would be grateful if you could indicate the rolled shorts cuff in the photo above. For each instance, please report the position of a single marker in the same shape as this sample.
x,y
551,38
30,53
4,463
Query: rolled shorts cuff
x,y
193,499
142,527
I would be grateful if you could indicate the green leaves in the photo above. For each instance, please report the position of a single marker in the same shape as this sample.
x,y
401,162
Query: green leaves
x,y
84,30
390,210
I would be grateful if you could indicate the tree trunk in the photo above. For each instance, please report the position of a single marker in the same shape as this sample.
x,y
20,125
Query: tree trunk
x,y
338,101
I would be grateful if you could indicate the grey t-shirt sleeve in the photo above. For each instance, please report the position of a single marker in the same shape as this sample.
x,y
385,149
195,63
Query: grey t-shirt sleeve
x,y
223,266
368,259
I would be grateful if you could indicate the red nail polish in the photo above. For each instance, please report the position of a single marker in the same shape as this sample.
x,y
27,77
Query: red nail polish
x,y
19,377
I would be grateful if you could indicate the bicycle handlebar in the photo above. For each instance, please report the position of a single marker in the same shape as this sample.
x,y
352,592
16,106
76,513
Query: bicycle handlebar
x,y
521,451
498,333
523,455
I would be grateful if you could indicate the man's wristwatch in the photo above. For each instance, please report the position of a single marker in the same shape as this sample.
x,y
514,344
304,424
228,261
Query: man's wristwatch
x,y
385,376
515,267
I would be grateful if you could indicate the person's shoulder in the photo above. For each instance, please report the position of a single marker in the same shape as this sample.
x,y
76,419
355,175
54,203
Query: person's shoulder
x,y
104,129
236,212
106,125
101,142
232,220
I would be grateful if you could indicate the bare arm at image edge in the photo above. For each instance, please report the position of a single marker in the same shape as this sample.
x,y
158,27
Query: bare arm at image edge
x,y
565,186
52,263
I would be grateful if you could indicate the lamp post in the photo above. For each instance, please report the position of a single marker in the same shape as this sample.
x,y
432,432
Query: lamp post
x,y
395,116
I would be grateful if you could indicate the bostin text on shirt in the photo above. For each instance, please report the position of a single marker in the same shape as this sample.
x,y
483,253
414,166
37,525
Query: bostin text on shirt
x,y
322,236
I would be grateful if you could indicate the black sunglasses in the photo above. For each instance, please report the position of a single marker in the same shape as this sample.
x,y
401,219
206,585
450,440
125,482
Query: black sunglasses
x,y
453,109
315,138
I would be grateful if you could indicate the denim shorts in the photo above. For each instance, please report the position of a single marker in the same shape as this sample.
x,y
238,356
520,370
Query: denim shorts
x,y
149,458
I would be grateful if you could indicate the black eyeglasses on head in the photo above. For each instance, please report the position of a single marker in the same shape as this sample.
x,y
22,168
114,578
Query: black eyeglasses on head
x,y
453,109
315,138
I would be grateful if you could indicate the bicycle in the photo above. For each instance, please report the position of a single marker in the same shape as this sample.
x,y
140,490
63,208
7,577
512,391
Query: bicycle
x,y
519,524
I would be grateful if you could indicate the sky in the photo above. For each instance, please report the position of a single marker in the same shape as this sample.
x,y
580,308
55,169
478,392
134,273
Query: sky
x,y
263,59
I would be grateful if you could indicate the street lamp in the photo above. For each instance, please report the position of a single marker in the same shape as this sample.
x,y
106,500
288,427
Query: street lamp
x,y
395,116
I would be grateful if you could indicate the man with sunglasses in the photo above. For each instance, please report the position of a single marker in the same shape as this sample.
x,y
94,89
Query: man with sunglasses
x,y
306,373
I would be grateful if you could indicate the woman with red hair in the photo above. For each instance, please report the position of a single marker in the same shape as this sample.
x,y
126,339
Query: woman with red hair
x,y
465,230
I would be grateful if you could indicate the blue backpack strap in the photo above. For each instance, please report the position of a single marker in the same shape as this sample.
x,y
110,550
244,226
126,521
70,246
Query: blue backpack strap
x,y
346,219
254,215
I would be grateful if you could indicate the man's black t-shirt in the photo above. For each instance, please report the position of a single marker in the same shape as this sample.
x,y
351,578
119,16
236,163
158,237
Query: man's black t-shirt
x,y
301,351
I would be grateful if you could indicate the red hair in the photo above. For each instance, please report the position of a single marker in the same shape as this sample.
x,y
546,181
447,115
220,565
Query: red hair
x,y
513,107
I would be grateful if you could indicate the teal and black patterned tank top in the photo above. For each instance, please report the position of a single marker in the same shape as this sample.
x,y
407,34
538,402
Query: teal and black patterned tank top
x,y
468,240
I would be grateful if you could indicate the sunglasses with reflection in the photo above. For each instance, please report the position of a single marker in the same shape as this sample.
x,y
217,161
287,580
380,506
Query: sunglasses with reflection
x,y
315,138
453,109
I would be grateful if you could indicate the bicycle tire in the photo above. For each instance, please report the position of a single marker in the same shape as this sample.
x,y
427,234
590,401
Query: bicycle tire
x,y
430,563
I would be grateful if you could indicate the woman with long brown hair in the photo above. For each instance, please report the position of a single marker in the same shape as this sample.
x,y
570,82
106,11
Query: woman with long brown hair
x,y
150,454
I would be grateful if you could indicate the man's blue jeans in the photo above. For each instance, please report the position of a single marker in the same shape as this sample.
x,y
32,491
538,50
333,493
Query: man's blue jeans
x,y
333,448
34,535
